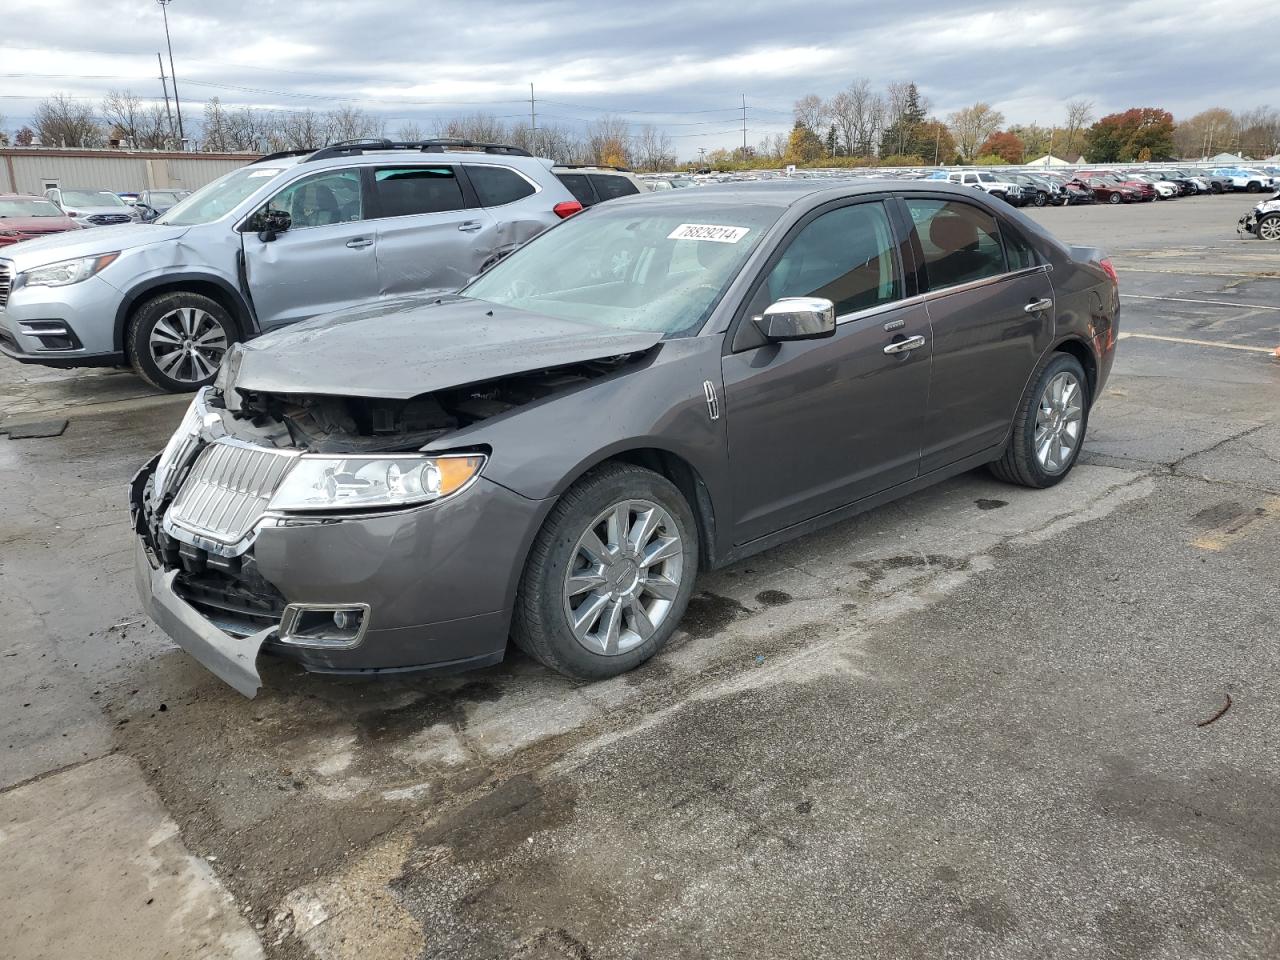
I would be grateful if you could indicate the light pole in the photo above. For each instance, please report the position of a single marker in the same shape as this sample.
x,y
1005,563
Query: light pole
x,y
173,75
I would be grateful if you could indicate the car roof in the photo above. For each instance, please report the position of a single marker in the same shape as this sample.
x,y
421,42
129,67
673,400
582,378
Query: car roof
x,y
23,196
786,193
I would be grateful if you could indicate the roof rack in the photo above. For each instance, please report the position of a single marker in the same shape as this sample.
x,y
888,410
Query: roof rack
x,y
355,147
284,153
593,166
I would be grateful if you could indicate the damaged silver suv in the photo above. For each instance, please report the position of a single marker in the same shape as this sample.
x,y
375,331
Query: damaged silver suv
x,y
662,384
288,237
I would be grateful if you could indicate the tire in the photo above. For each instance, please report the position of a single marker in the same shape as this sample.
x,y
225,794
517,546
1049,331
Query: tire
x,y
1215,188
1115,198
1022,463
1270,224
1041,199
1253,187
200,330
545,602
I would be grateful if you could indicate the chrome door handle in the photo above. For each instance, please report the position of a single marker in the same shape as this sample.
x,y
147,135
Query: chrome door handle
x,y
902,346
1039,306
471,226
359,242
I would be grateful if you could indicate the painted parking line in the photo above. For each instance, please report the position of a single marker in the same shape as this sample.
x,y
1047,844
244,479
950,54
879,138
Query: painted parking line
x,y
1195,343
1211,303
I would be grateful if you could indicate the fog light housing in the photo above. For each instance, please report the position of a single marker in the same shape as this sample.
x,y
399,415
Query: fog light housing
x,y
338,626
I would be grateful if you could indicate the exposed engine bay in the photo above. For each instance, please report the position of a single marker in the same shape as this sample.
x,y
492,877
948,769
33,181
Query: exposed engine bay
x,y
326,423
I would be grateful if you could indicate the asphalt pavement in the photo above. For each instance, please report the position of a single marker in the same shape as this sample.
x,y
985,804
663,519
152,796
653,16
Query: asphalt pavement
x,y
982,721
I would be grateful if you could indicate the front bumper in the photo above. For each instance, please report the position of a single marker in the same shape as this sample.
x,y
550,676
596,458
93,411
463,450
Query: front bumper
x,y
71,326
439,582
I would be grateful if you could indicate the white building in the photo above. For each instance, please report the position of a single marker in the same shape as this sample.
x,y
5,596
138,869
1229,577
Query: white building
x,y
33,170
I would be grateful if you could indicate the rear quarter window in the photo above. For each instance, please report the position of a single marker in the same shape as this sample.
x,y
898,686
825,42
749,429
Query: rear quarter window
x,y
579,186
496,186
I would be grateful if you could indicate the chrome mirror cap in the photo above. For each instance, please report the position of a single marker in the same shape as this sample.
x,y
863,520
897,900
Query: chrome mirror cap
x,y
798,318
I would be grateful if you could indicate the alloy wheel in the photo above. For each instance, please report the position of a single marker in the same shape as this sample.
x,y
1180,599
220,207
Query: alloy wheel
x,y
187,344
1269,228
623,577
1059,420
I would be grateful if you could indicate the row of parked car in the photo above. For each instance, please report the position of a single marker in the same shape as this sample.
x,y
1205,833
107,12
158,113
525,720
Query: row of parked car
x,y
25,217
1094,185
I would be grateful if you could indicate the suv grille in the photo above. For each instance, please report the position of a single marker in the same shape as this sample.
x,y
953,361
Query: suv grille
x,y
228,490
106,219
6,283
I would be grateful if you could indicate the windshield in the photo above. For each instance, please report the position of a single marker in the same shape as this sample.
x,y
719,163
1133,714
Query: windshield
x,y
90,198
162,196
29,208
660,268
220,197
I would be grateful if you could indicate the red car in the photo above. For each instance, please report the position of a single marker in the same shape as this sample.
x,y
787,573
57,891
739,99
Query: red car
x,y
1107,191
25,218
1146,191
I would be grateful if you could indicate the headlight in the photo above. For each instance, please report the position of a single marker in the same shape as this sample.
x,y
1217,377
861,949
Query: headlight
x,y
66,272
347,483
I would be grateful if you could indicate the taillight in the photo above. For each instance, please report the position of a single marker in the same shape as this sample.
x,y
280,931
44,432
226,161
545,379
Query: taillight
x,y
1109,270
566,209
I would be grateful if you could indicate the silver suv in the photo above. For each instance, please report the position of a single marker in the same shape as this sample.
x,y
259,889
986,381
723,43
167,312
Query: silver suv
x,y
288,237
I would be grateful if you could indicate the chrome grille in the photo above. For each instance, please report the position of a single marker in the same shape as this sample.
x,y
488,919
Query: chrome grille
x,y
228,490
6,283
107,219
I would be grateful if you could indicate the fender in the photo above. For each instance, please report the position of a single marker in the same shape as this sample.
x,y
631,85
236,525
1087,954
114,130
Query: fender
x,y
241,308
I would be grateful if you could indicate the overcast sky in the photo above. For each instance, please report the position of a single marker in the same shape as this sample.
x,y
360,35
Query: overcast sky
x,y
681,64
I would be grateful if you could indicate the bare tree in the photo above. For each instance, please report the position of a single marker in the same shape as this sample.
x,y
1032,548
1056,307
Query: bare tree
x,y
62,121
812,112
303,130
481,127
1259,132
410,132
653,149
609,141
857,114
972,125
217,137
352,123
1079,116
4,134
154,131
122,112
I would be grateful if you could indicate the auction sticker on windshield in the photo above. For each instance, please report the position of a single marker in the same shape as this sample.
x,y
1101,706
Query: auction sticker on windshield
x,y
708,231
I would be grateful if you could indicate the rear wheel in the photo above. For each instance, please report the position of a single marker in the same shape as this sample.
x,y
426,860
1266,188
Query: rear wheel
x,y
177,340
1268,227
1041,199
1049,429
609,575
1254,187
1115,198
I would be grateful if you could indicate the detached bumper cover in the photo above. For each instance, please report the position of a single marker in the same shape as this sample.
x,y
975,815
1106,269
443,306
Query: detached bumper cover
x,y
231,659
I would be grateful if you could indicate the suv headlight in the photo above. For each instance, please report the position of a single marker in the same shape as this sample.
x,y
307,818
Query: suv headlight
x,y
66,272
316,482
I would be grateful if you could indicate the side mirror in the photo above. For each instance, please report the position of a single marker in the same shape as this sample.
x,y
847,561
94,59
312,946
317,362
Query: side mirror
x,y
798,318
269,224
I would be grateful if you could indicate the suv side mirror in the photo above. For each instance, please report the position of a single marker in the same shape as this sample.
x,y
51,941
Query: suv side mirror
x,y
269,224
798,318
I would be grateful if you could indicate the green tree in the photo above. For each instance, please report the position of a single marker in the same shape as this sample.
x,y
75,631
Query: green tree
x,y
903,137
832,140
804,145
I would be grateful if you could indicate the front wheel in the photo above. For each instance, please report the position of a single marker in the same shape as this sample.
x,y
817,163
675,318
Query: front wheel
x,y
177,340
1115,198
1253,187
609,575
1268,227
1049,429
1041,199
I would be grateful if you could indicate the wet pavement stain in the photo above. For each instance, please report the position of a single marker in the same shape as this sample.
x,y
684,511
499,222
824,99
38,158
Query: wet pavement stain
x,y
876,570
447,706
773,598
985,504
709,613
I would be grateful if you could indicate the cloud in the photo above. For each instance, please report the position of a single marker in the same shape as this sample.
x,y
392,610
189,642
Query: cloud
x,y
653,62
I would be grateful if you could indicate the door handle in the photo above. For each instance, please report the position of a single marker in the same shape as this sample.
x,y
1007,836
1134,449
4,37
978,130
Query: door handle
x,y
359,242
1039,306
902,346
471,226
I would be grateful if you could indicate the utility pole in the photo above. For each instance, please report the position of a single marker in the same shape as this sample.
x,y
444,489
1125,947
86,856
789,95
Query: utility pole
x,y
173,74
744,126
165,86
533,123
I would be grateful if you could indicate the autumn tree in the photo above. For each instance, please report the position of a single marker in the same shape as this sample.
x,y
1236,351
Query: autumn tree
x,y
938,146
1208,132
972,125
1004,145
804,145
811,111
1121,137
609,141
1035,138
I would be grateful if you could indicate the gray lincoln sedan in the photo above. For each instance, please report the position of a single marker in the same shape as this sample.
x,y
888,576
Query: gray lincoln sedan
x,y
657,386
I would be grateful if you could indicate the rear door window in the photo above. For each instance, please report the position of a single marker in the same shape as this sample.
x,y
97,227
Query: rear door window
x,y
961,243
496,186
408,191
580,187
610,187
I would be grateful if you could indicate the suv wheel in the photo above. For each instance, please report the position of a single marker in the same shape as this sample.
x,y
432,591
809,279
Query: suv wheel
x,y
177,340
1041,198
1049,429
609,575
1254,187
1268,227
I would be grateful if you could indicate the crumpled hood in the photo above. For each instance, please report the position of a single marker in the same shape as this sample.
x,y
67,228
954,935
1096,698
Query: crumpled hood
x,y
87,243
402,348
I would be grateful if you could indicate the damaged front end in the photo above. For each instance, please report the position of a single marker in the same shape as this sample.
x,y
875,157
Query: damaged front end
x,y
244,461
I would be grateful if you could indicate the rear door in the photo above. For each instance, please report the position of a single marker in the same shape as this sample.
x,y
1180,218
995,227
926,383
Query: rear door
x,y
817,424
324,261
433,234
990,304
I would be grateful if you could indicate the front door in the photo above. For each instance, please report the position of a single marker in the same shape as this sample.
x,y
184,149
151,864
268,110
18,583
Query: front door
x,y
817,424
433,234
991,309
324,261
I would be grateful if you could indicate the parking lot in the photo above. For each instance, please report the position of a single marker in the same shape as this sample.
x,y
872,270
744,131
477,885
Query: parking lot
x,y
982,721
